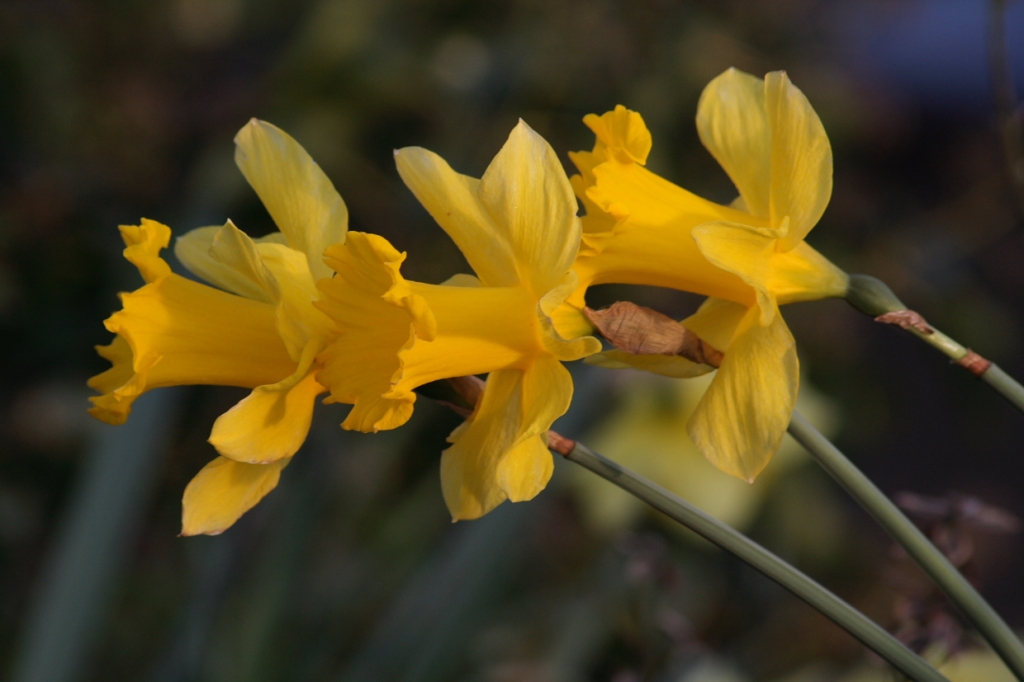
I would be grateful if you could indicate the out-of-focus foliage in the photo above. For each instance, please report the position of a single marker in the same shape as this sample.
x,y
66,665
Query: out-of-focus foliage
x,y
648,435
351,570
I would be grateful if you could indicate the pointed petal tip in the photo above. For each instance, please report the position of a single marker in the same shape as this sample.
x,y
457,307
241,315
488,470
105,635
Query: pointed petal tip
x,y
187,532
194,533
522,127
244,131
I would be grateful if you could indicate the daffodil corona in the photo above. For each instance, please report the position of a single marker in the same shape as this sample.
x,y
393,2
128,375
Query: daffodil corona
x,y
518,228
258,329
749,257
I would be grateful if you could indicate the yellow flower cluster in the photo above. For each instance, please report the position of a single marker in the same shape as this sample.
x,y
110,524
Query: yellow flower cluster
x,y
315,308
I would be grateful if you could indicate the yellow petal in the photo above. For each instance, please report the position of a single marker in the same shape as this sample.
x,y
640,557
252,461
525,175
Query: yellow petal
x,y
570,322
120,355
623,132
299,197
468,466
224,490
273,238
452,200
716,321
742,418
732,122
768,138
631,191
517,224
462,280
565,348
528,196
119,385
502,452
236,251
298,321
272,422
264,270
595,220
193,251
180,332
142,248
801,159
378,317
745,251
651,244
803,274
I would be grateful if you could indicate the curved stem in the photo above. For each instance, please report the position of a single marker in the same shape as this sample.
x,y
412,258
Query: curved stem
x,y
873,297
949,579
853,621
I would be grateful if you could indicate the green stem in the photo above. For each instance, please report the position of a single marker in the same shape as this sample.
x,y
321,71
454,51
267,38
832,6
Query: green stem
x,y
844,615
873,297
960,592
1006,385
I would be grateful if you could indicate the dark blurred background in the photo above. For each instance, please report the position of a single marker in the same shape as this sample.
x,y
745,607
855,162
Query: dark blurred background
x,y
115,110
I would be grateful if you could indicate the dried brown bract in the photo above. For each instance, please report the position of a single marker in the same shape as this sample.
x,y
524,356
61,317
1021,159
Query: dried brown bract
x,y
907,319
469,388
974,363
642,331
560,444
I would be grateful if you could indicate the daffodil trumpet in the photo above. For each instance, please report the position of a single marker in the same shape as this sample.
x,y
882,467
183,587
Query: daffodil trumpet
x,y
518,229
749,257
255,327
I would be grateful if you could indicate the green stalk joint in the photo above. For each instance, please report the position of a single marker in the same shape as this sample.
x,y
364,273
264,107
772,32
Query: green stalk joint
x,y
872,296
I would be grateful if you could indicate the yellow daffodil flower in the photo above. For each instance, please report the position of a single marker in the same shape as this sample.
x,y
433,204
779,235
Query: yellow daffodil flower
x,y
258,329
517,227
749,257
